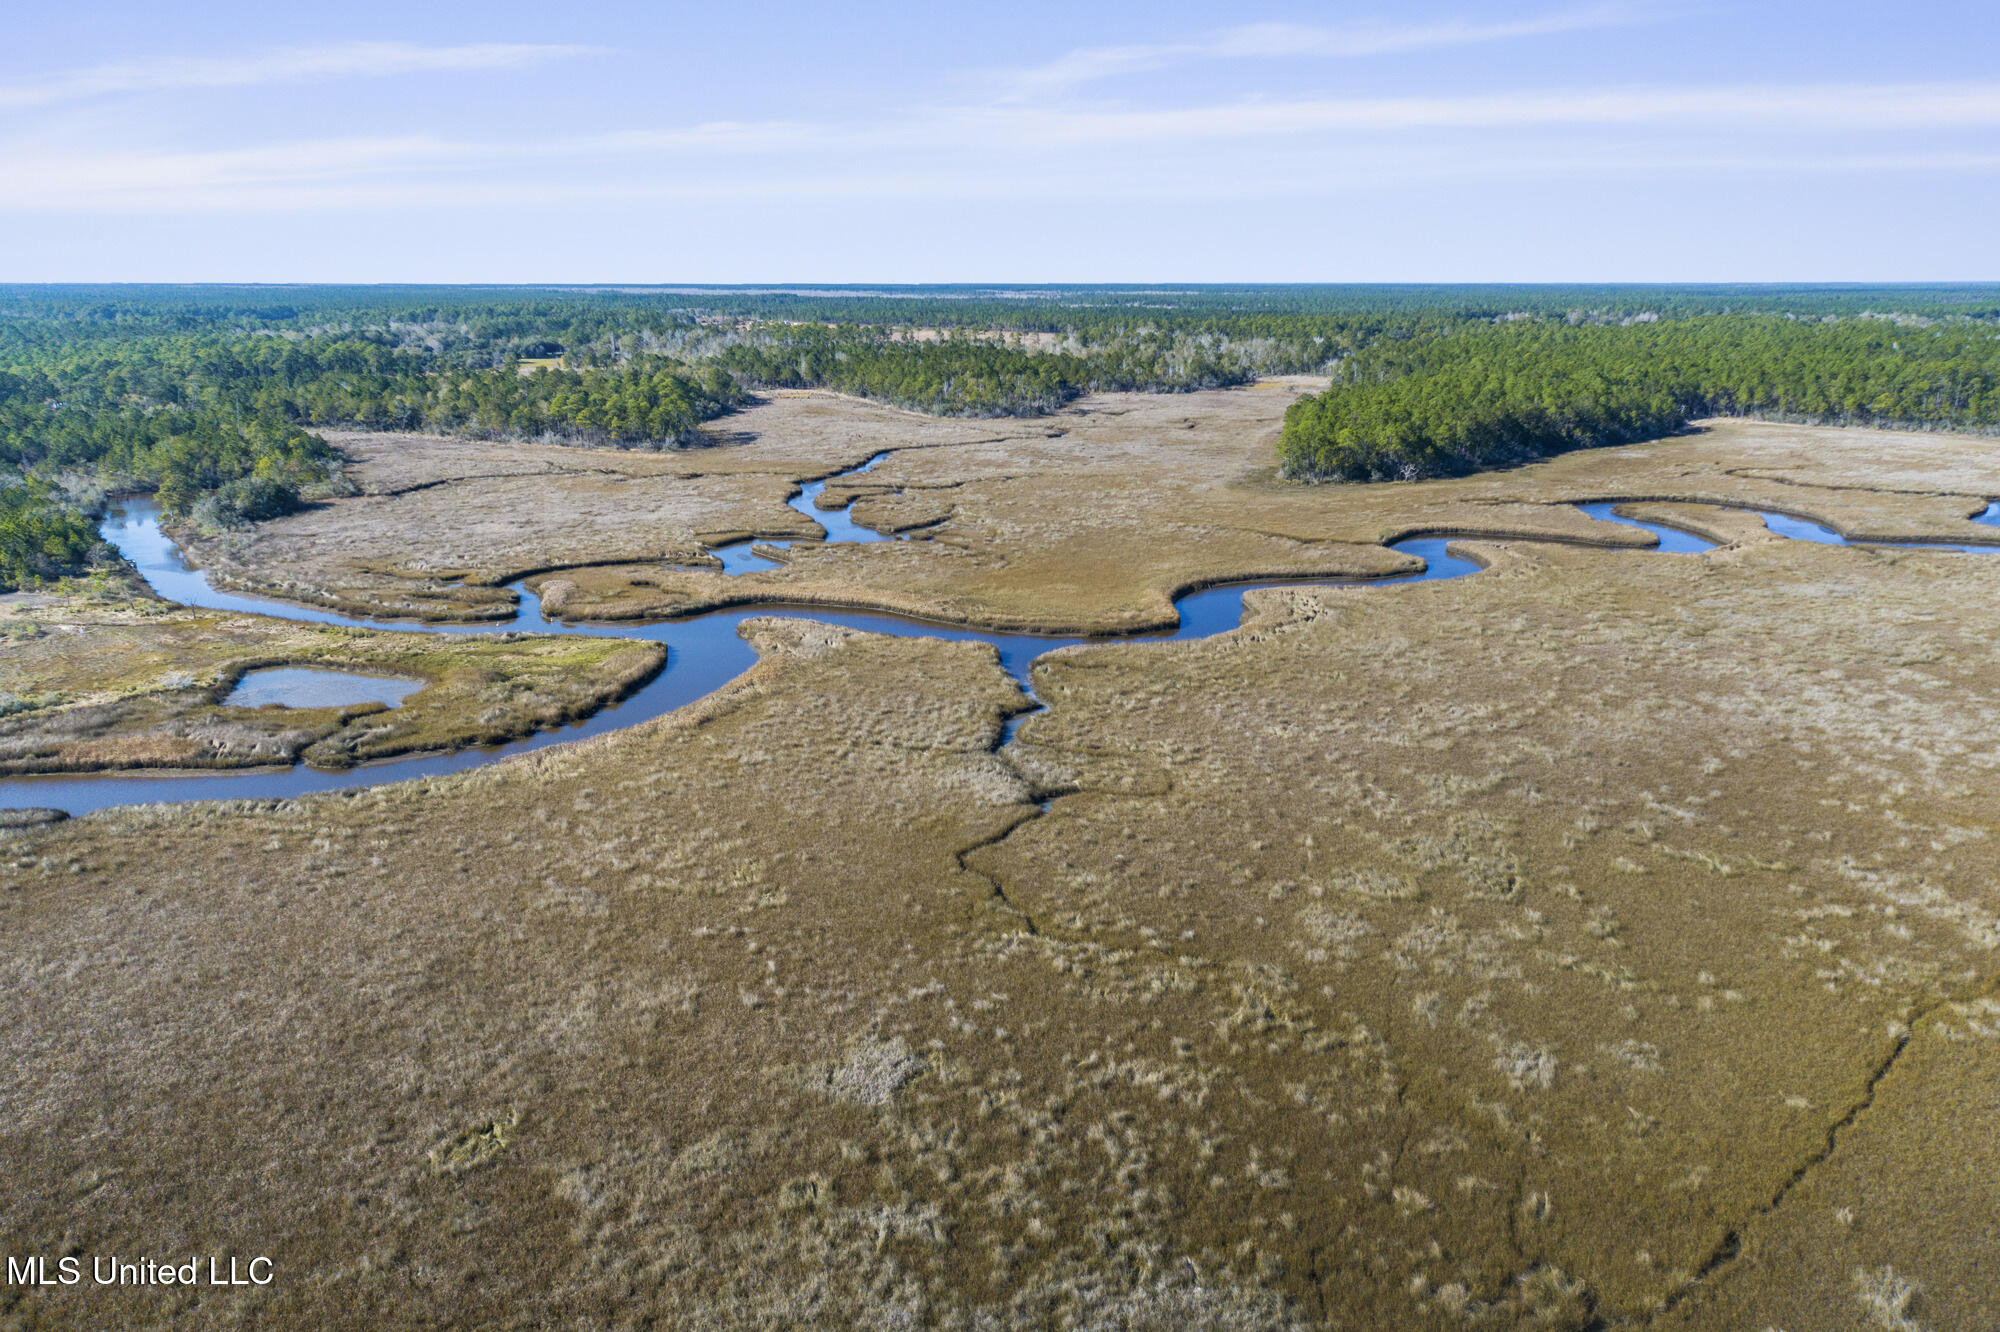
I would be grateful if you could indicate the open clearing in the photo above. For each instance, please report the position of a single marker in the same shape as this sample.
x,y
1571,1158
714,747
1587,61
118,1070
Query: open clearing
x,y
1604,939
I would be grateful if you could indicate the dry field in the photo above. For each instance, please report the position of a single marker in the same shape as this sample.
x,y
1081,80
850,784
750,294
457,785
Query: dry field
x,y
1606,940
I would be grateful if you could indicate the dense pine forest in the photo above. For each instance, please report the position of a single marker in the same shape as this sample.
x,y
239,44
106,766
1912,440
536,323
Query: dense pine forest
x,y
212,397
965,375
1486,395
40,537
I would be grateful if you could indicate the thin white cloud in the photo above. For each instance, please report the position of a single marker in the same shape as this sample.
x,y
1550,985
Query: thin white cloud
x,y
1881,108
1292,40
1357,174
1743,109
1363,39
298,64
1301,146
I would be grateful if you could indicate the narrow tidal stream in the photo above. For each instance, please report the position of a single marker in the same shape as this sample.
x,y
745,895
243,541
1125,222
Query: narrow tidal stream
x,y
704,651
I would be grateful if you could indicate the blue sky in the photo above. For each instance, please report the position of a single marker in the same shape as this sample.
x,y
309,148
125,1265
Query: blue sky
x,y
505,142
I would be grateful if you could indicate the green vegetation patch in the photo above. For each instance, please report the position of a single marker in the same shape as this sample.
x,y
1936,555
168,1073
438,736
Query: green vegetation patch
x,y
41,538
969,376
1494,395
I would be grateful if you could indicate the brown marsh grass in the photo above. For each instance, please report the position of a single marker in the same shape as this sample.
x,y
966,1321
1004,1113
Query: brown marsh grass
x,y
1603,941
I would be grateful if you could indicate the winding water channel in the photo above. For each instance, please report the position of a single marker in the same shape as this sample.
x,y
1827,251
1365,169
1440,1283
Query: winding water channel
x,y
704,651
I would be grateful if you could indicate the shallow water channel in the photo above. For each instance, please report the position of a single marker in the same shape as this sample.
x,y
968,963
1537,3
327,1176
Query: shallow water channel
x,y
704,652
740,557
1804,529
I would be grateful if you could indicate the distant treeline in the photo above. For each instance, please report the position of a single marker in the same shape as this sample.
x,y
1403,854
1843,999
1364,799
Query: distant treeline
x,y
220,426
371,381
86,426
646,399
576,316
1487,396
211,395
462,328
947,379
964,376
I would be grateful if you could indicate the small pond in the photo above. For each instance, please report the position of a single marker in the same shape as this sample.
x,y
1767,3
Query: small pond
x,y
304,687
